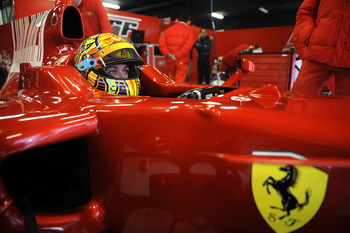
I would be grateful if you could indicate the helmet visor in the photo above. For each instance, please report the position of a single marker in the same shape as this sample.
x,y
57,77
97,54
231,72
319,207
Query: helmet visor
x,y
117,53
122,56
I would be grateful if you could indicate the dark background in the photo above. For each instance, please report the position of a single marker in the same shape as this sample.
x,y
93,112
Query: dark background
x,y
239,14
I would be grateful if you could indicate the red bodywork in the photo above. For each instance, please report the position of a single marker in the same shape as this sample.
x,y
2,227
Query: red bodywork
x,y
73,159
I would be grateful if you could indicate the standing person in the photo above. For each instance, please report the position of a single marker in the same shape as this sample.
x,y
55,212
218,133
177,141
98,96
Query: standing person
x,y
94,16
203,46
323,27
175,44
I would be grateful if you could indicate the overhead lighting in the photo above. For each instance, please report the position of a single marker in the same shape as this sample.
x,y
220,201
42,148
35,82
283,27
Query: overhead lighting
x,y
217,15
111,5
263,10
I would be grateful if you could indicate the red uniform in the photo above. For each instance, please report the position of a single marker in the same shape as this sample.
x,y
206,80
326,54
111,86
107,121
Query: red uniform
x,y
177,40
323,27
95,19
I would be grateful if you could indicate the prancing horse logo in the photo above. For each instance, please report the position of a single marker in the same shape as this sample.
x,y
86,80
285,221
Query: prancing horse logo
x,y
282,194
289,202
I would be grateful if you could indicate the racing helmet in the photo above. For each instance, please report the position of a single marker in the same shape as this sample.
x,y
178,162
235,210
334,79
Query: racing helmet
x,y
102,50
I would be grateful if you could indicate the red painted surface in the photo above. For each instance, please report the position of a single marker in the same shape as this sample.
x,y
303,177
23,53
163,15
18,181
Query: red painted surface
x,y
23,9
157,163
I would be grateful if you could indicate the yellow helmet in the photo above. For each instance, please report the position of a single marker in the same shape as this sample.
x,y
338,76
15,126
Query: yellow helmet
x,y
102,50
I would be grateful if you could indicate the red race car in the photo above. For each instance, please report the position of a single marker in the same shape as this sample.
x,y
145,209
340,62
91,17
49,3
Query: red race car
x,y
216,159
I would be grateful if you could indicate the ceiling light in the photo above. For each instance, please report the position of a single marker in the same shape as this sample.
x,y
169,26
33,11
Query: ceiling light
x,y
217,15
263,10
111,5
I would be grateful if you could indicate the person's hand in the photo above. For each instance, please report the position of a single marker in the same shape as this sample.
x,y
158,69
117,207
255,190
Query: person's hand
x,y
171,56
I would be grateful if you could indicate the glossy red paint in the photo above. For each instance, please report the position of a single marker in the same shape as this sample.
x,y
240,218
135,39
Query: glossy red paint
x,y
90,162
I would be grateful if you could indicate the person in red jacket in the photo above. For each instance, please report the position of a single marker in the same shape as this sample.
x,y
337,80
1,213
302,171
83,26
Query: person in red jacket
x,y
300,49
94,16
323,27
176,43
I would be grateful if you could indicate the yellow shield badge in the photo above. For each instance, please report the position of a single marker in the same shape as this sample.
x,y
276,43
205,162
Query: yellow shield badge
x,y
288,196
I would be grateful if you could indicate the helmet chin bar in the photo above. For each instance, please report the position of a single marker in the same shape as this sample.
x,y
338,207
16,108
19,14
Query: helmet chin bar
x,y
122,86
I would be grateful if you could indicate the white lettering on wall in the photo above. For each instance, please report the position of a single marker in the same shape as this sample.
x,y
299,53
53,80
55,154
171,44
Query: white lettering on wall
x,y
123,25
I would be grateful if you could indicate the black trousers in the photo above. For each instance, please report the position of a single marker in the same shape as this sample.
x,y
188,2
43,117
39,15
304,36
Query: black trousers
x,y
203,66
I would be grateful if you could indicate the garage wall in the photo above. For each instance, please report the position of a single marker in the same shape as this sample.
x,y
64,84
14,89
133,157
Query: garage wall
x,y
271,39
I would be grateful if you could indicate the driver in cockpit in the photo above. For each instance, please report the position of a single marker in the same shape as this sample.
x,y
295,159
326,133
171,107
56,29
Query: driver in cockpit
x,y
109,63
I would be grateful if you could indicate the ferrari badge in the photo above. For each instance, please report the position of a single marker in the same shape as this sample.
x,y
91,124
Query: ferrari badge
x,y
287,196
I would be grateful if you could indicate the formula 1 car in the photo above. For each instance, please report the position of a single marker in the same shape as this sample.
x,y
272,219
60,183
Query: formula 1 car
x,y
216,159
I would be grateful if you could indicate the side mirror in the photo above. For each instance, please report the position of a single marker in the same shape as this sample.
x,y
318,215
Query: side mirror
x,y
245,65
